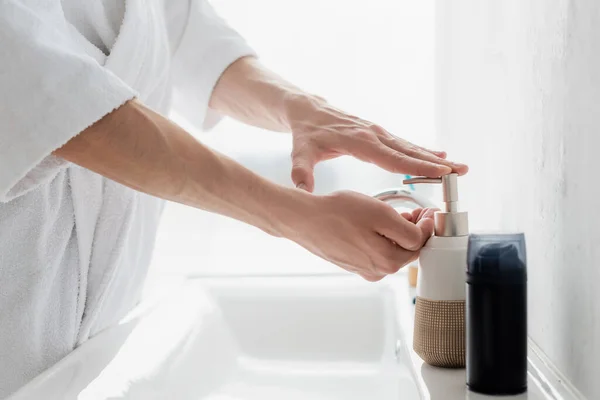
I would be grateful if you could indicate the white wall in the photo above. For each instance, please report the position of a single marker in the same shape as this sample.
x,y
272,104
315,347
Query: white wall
x,y
518,98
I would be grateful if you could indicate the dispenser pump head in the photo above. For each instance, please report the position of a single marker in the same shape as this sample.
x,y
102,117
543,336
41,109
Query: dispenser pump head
x,y
449,222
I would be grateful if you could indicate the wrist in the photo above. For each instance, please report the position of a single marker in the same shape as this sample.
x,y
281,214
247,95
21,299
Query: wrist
x,y
301,108
290,210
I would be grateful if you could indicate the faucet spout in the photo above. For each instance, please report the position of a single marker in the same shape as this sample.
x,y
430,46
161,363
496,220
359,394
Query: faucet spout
x,y
406,197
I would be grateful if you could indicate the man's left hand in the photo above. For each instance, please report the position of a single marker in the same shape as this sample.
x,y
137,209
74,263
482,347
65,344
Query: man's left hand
x,y
322,132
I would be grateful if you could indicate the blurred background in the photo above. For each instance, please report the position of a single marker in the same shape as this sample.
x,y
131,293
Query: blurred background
x,y
374,60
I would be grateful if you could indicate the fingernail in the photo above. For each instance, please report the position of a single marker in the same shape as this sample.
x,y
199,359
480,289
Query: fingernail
x,y
301,186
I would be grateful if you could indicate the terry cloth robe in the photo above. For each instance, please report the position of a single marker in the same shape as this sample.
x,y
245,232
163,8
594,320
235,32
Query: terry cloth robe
x,y
75,246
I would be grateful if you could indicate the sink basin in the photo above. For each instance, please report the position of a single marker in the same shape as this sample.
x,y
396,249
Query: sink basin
x,y
268,338
245,339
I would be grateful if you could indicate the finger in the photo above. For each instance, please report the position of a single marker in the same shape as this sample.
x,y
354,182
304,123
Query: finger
x,y
395,161
390,258
440,154
408,216
415,214
396,228
303,165
385,134
426,222
425,213
414,151
371,149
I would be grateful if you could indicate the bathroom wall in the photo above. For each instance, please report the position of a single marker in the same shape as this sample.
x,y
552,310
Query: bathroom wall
x,y
518,98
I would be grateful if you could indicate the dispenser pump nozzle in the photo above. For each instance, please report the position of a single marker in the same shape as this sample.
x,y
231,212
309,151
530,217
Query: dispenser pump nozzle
x,y
449,222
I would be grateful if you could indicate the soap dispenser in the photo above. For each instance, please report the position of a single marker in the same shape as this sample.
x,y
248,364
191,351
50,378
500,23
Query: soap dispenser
x,y
439,323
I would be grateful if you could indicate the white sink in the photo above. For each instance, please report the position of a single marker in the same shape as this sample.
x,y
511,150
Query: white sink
x,y
274,338
245,339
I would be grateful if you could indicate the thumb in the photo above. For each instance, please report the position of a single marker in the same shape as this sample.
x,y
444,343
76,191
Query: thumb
x,y
303,165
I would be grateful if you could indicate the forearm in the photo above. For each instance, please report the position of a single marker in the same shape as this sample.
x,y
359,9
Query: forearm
x,y
145,151
251,93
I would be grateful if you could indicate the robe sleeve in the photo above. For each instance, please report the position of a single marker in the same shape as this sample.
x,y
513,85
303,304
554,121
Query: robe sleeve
x,y
50,91
207,47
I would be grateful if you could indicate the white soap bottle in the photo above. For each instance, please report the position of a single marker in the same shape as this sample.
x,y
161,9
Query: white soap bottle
x,y
439,327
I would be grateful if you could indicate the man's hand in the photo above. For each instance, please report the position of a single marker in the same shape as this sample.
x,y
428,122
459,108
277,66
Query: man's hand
x,y
322,132
143,150
361,234
255,95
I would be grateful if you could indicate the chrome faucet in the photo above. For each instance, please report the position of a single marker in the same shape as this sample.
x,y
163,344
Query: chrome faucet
x,y
405,197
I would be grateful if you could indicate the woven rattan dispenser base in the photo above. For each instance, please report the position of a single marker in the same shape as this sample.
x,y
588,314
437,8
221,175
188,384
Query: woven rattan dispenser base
x,y
439,332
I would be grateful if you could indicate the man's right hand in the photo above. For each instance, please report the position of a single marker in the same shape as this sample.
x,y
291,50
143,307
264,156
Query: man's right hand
x,y
361,234
145,151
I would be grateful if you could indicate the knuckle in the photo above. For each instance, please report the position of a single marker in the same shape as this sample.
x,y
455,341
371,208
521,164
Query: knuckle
x,y
402,142
414,244
363,135
400,156
338,196
412,238
379,130
411,149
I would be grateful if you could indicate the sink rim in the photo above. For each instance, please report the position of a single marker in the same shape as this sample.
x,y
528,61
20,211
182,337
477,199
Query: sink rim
x,y
63,374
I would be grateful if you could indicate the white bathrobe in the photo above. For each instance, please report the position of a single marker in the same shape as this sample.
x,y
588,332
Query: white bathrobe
x,y
74,246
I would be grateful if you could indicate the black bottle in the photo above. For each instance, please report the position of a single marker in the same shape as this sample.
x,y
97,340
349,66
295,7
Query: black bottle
x,y
496,309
